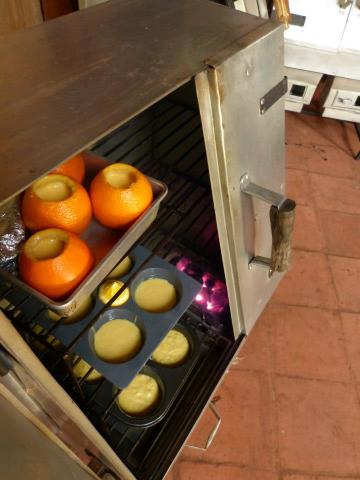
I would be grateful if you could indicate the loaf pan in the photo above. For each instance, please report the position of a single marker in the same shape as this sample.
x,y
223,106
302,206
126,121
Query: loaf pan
x,y
98,237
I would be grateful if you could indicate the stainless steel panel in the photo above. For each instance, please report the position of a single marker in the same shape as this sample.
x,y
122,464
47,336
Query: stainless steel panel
x,y
26,452
239,140
66,83
38,391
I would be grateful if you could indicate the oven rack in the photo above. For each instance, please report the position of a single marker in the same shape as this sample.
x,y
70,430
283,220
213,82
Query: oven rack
x,y
165,142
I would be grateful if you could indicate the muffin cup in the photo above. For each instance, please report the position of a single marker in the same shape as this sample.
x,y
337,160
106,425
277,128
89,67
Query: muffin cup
x,y
116,314
151,417
171,380
190,338
160,273
112,276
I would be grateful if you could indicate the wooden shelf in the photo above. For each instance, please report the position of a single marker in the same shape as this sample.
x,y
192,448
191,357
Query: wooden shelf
x,y
66,83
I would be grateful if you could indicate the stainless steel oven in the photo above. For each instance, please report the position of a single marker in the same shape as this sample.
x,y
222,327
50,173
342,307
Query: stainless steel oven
x,y
190,92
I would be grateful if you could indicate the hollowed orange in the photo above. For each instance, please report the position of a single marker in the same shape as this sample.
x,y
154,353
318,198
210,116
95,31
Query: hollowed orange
x,y
56,201
54,262
119,195
73,168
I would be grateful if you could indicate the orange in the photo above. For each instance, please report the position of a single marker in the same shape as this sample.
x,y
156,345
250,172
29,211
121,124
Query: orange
x,y
73,168
56,201
119,195
54,262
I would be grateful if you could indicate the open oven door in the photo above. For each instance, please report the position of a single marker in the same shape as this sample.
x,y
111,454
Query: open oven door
x,y
42,427
242,111
26,451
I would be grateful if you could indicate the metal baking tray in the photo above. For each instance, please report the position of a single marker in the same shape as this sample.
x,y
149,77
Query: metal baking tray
x,y
154,326
108,246
169,378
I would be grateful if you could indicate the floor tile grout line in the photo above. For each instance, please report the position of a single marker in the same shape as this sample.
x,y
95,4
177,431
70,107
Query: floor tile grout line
x,y
308,170
247,466
314,307
351,370
347,177
333,280
271,333
309,145
350,214
296,377
328,210
324,251
317,172
281,472
319,475
312,379
321,229
318,146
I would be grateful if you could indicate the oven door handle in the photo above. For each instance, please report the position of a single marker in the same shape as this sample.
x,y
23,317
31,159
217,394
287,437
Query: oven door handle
x,y
282,217
213,432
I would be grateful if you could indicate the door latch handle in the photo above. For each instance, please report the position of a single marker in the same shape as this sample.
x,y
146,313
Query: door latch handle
x,y
282,216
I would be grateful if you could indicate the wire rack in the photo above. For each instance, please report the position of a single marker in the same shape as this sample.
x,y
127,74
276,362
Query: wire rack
x,y
164,142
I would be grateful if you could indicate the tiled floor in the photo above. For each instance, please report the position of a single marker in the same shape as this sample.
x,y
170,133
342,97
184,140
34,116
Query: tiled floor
x,y
291,406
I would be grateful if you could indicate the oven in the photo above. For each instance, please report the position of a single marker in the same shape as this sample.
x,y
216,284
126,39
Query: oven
x,y
191,93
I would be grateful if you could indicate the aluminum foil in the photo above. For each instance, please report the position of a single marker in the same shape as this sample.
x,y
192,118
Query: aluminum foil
x,y
12,234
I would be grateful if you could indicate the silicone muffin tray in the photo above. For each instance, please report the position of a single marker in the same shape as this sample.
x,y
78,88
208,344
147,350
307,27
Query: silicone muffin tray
x,y
99,239
153,326
169,378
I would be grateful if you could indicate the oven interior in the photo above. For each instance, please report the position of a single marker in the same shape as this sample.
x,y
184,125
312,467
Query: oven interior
x,y
165,142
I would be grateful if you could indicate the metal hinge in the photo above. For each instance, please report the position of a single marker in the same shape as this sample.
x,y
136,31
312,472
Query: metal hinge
x,y
273,95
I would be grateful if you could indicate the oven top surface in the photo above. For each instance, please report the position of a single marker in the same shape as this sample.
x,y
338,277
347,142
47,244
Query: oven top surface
x,y
66,83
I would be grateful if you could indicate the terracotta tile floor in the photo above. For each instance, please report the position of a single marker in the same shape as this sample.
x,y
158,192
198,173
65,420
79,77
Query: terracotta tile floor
x,y
291,405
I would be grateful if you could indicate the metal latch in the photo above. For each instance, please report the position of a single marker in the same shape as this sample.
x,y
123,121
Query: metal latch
x,y
282,215
273,95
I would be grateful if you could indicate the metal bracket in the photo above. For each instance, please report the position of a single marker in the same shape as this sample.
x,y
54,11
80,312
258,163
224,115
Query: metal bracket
x,y
213,432
259,261
268,196
273,95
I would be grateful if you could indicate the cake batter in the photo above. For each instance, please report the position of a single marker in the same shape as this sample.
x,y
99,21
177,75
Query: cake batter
x,y
140,397
81,368
155,295
117,341
122,269
173,350
108,289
